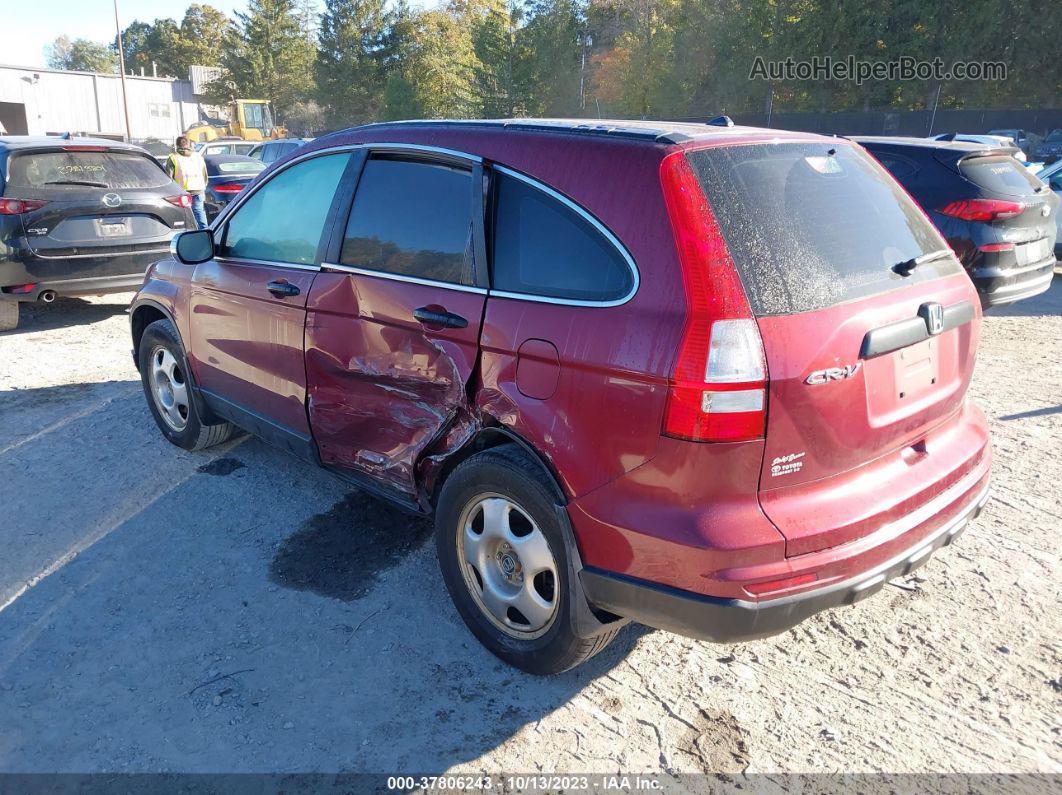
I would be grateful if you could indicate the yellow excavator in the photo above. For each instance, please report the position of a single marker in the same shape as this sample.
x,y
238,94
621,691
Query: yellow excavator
x,y
249,119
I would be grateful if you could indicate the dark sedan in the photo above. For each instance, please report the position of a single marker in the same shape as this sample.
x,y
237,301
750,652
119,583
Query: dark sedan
x,y
227,176
1050,149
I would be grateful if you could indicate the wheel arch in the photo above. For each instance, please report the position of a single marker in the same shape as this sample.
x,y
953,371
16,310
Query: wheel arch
x,y
142,315
495,436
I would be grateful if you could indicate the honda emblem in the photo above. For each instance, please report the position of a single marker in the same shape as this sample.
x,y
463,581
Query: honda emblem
x,y
933,314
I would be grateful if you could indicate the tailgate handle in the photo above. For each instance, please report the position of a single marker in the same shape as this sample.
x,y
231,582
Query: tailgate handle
x,y
282,289
886,339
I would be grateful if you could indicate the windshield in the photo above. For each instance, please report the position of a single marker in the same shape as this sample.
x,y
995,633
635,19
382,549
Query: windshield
x,y
113,170
258,115
1056,135
810,225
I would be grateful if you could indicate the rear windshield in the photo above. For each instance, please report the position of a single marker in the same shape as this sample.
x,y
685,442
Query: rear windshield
x,y
813,225
113,170
1000,174
241,167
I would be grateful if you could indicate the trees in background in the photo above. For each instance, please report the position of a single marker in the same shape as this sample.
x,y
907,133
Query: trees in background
x,y
80,55
169,48
266,56
352,53
360,60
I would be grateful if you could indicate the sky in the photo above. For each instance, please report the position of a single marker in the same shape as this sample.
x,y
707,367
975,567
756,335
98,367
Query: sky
x,y
25,34
37,23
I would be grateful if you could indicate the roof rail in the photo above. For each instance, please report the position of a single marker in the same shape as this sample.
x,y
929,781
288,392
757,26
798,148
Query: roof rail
x,y
661,134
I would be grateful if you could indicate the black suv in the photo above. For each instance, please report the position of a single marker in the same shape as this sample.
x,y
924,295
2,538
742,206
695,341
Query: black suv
x,y
996,215
80,216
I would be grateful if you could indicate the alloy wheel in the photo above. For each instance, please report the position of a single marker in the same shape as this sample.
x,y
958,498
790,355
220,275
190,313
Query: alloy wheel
x,y
169,388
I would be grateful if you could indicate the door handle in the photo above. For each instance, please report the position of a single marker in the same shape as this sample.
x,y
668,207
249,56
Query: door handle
x,y
282,289
433,318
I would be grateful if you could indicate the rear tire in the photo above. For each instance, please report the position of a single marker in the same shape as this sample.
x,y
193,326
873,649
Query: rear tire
x,y
501,547
170,393
8,315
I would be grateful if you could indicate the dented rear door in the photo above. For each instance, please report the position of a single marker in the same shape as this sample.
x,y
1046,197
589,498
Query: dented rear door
x,y
392,334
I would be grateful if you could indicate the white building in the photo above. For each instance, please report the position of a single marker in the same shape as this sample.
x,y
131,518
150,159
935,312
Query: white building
x,y
36,101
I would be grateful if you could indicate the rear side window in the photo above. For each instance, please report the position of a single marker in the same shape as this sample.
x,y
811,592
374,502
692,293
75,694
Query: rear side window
x,y
813,225
897,165
543,247
283,220
112,170
1000,174
412,218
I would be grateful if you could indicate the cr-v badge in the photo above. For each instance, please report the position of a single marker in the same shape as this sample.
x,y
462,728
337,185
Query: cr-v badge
x,y
833,374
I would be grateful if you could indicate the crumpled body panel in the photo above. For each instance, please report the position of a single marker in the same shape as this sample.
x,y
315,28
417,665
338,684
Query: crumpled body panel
x,y
383,386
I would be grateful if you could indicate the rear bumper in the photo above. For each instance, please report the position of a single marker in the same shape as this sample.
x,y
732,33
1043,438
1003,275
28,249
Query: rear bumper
x,y
1016,284
729,620
80,275
98,285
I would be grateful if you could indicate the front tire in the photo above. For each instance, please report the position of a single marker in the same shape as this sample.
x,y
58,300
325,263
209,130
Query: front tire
x,y
8,315
506,563
170,393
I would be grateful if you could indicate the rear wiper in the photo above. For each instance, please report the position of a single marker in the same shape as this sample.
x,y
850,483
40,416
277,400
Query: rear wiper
x,y
78,182
904,268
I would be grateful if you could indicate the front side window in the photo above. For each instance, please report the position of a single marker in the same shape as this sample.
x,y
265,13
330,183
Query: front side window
x,y
412,218
284,219
544,248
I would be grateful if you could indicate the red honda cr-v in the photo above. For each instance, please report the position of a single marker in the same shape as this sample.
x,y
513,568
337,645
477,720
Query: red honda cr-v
x,y
712,379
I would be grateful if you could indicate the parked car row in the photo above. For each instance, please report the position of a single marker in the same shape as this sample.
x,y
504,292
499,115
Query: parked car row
x,y
265,151
780,338
1029,146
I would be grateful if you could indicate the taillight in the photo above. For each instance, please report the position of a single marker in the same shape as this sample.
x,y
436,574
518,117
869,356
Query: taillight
x,y
983,209
995,247
718,391
19,206
184,200
229,188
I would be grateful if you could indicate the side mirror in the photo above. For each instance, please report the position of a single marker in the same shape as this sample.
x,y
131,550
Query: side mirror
x,y
193,246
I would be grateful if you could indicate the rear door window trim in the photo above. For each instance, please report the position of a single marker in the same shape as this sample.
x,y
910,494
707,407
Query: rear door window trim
x,y
585,215
412,152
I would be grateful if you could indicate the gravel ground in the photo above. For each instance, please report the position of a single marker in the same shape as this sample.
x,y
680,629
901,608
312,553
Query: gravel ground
x,y
236,610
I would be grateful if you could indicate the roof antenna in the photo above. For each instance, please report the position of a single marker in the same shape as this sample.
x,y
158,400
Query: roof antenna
x,y
721,121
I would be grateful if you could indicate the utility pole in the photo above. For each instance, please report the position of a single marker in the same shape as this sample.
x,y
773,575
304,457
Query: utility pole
x,y
585,41
121,71
933,118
